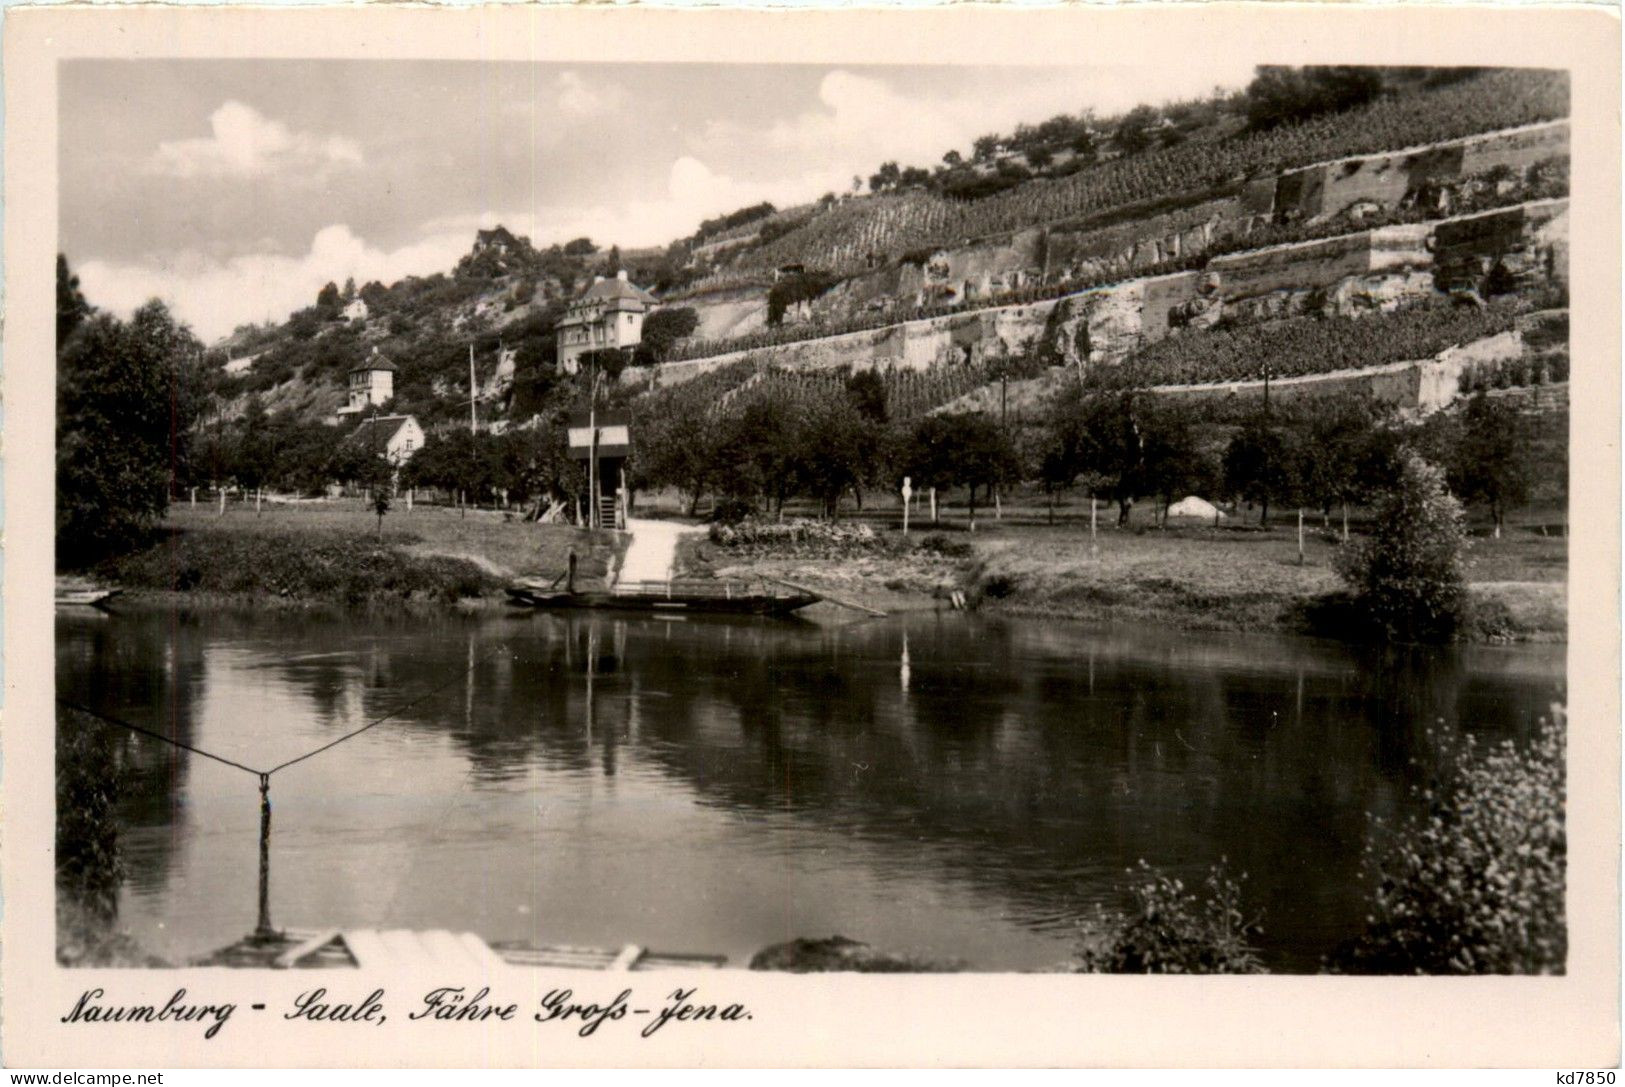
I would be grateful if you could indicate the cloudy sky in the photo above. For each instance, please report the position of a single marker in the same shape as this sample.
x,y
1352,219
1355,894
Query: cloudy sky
x,y
234,190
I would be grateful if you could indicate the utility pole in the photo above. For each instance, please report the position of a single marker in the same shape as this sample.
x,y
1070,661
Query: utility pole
x,y
1264,515
592,428
473,393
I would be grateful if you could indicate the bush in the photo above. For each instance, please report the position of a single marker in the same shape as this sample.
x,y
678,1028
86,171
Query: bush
x,y
799,538
1476,886
88,866
1408,580
326,568
947,547
1169,930
732,511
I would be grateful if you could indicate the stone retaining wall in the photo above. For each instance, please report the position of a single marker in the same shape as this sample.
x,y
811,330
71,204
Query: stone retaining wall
x,y
1378,269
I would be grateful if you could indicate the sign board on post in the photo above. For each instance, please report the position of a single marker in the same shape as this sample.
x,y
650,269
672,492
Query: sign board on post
x,y
614,434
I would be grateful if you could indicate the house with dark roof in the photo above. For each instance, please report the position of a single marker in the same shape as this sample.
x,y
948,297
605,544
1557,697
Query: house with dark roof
x,y
372,382
397,437
608,315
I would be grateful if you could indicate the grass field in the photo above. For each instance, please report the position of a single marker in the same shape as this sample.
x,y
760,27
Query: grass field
x,y
1190,575
330,552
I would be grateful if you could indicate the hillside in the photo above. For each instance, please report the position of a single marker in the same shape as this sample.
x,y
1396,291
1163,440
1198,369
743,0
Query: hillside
x,y
1128,225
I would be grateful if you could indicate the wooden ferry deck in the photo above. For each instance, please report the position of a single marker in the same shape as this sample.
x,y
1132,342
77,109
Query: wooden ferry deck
x,y
405,949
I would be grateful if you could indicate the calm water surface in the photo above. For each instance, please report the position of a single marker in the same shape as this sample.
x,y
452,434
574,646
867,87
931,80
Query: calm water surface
x,y
940,785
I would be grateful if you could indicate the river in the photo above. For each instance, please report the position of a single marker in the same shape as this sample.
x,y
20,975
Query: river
x,y
940,785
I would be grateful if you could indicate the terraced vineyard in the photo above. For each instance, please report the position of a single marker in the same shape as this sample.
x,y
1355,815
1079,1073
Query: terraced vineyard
x,y
1308,345
845,238
1548,180
731,389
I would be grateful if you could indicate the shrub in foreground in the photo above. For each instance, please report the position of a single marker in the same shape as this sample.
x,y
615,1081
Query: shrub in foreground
x,y
1170,930
1408,579
1476,886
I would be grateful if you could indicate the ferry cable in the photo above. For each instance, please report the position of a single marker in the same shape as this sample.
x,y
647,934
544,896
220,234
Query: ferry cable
x,y
264,931
265,774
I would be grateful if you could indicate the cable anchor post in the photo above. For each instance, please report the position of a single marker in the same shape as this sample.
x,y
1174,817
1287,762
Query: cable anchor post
x,y
263,930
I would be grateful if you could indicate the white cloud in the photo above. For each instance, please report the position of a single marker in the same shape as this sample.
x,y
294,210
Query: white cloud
x,y
693,192
215,297
245,143
861,120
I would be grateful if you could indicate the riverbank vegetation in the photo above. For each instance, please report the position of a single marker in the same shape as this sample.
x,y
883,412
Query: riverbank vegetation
x,y
327,553
1475,884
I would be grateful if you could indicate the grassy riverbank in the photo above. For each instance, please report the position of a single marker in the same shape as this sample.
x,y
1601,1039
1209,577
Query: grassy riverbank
x,y
1190,576
1205,578
330,554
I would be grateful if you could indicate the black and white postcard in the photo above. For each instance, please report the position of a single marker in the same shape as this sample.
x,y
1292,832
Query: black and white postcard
x,y
658,537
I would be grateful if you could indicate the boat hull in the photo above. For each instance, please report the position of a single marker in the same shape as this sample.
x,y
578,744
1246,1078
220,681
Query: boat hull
x,y
675,601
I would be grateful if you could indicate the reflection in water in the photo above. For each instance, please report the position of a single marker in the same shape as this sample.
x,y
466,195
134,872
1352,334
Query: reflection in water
x,y
938,785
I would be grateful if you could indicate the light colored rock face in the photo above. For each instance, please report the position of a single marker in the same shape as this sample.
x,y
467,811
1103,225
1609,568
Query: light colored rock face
x,y
1329,189
1095,328
729,313
1515,246
1364,272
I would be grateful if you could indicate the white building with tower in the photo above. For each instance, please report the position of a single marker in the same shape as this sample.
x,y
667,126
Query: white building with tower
x,y
371,383
608,315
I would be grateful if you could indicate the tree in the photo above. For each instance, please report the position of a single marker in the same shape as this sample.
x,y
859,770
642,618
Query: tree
x,y
1282,95
580,247
867,391
1341,442
885,179
913,177
534,463
1491,461
328,299
966,449
677,447
382,485
1474,883
71,307
1134,130
835,450
455,461
1261,465
1409,579
127,393
254,454
759,450
1173,463
661,331
1097,435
